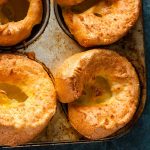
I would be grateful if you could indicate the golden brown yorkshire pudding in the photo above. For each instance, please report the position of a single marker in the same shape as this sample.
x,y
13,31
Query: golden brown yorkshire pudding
x,y
3,2
103,23
27,99
103,88
17,18
69,2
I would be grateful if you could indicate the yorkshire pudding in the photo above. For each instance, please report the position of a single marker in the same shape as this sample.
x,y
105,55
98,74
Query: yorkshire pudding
x,y
28,99
102,89
101,22
69,2
3,2
17,18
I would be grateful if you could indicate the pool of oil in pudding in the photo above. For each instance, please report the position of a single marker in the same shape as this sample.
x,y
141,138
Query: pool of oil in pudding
x,y
11,94
96,91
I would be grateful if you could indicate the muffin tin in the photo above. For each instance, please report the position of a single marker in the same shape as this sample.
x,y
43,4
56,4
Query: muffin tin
x,y
54,46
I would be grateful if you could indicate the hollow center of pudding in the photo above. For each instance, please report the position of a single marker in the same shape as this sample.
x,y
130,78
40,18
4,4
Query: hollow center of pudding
x,y
96,91
97,7
104,7
11,94
13,10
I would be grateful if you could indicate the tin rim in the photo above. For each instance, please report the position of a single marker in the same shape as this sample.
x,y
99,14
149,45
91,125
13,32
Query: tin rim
x,y
60,20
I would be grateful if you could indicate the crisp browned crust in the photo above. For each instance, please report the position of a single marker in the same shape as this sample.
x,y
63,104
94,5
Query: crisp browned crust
x,y
21,122
15,32
69,2
98,120
104,23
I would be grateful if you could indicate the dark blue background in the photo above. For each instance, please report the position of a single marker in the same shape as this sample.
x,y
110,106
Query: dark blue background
x,y
139,137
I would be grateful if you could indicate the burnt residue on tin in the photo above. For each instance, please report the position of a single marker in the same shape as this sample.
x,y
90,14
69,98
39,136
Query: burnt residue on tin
x,y
36,31
58,129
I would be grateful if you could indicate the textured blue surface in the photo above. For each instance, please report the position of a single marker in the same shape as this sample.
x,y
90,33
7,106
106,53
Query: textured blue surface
x,y
139,137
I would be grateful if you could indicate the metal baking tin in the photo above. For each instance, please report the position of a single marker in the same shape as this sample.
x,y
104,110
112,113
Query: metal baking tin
x,y
36,32
53,47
